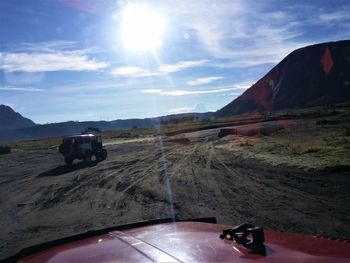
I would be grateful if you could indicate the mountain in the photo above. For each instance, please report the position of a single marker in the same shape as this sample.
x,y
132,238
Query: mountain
x,y
310,76
75,127
9,119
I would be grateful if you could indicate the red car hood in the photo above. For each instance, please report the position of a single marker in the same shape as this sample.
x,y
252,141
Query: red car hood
x,y
191,242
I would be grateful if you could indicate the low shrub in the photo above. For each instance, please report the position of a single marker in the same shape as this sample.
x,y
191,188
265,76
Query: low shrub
x,y
300,149
347,130
5,150
245,143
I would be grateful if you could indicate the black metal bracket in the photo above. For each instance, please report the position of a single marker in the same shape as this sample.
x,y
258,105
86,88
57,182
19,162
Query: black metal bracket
x,y
240,235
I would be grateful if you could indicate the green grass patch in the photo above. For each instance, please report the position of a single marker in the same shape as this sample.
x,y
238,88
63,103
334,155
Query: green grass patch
x,y
315,149
42,144
129,133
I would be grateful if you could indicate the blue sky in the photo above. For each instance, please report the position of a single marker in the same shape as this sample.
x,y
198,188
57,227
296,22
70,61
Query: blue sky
x,y
67,59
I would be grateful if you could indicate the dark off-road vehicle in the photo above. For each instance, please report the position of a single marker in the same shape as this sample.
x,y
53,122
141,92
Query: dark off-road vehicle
x,y
82,147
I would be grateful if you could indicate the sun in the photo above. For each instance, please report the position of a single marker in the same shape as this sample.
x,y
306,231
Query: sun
x,y
141,28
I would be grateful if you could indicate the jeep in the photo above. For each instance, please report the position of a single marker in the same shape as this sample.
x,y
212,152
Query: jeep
x,y
82,147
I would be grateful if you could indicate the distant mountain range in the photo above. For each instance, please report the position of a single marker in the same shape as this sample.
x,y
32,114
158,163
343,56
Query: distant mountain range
x,y
309,76
29,130
9,119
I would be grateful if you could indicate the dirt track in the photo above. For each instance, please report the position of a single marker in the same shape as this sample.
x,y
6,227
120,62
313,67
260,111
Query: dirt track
x,y
42,200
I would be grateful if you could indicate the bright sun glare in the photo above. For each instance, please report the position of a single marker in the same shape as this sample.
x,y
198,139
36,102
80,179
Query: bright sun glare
x,y
142,27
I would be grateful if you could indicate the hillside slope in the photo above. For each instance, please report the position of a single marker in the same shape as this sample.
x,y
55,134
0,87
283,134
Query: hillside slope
x,y
9,119
310,76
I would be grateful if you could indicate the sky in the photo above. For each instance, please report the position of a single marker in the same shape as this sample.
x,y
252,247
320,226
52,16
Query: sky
x,y
64,60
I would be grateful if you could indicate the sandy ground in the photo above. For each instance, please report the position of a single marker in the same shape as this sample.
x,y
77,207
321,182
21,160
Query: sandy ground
x,y
184,176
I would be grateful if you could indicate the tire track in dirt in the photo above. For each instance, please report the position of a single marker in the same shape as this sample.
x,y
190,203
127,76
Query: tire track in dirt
x,y
196,169
205,181
257,181
132,178
153,175
212,178
104,175
254,181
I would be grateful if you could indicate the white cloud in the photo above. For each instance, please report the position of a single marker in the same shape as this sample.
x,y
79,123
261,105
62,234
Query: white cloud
x,y
130,72
98,89
151,91
243,85
186,92
49,56
200,107
181,110
163,69
250,33
235,86
333,17
192,92
182,65
25,89
202,81
43,62
136,72
48,46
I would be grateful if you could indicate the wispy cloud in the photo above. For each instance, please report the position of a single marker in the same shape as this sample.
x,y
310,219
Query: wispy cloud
x,y
336,16
181,110
24,89
203,81
185,92
138,72
43,62
248,33
102,87
182,65
49,56
238,87
50,47
242,86
47,46
151,91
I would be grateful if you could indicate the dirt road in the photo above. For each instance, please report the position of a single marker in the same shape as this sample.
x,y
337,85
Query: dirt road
x,y
42,200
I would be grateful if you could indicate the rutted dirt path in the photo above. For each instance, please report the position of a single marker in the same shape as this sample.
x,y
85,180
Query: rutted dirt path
x,y
42,200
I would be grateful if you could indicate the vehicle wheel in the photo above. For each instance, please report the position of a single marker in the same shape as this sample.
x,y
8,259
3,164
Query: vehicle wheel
x,y
68,160
87,157
98,157
103,154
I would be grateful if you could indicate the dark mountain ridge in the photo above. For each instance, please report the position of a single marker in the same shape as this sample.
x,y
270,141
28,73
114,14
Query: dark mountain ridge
x,y
76,127
309,76
9,119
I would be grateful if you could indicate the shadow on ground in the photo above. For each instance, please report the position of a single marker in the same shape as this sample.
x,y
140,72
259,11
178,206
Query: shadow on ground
x,y
63,169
